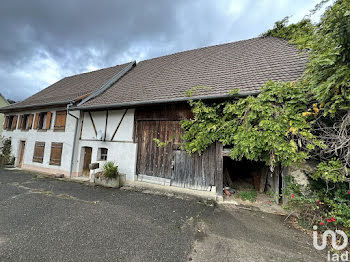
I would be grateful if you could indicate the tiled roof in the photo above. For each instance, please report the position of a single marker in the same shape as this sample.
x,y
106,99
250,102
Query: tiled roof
x,y
246,65
68,89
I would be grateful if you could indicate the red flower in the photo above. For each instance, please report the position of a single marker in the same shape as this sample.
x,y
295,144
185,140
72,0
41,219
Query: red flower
x,y
321,223
348,192
328,220
292,196
319,202
333,219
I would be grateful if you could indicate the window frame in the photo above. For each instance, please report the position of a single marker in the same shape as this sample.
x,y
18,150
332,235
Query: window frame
x,y
101,155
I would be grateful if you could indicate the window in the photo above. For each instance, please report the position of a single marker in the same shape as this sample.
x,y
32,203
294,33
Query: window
x,y
25,122
42,120
10,123
60,121
39,152
102,154
56,154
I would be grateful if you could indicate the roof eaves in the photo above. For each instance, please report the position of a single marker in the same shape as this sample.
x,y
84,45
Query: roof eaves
x,y
164,101
12,108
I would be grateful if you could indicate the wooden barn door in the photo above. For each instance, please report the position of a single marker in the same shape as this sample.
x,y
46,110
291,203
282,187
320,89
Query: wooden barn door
x,y
151,159
169,162
195,171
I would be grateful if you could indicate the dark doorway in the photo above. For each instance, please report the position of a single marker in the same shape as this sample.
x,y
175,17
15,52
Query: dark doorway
x,y
244,174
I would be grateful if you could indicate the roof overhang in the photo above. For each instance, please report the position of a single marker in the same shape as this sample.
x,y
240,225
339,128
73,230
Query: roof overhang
x,y
36,106
164,101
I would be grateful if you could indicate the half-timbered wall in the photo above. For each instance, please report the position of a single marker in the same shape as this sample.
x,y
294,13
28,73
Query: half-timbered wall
x,y
112,130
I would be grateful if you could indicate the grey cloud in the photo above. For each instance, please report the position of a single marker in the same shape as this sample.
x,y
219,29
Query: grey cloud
x,y
76,34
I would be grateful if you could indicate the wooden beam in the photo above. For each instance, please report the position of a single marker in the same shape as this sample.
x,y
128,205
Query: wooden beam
x,y
93,123
82,125
121,120
105,133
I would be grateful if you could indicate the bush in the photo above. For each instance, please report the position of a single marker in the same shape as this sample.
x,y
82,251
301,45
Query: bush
x,y
6,158
324,204
110,170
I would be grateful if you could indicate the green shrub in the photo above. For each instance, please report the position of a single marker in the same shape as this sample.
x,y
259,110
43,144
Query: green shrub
x,y
110,170
324,204
6,158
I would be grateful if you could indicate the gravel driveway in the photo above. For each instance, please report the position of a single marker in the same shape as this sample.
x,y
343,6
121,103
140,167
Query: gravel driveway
x,y
44,219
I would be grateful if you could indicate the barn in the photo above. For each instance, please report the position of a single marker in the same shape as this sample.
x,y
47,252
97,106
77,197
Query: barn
x,y
151,102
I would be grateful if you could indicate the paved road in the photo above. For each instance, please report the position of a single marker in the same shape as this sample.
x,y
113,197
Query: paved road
x,y
43,219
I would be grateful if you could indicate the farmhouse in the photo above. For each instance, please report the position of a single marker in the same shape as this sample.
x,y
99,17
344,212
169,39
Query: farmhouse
x,y
114,114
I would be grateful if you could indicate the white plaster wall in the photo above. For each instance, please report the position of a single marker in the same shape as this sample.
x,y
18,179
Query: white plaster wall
x,y
31,136
122,150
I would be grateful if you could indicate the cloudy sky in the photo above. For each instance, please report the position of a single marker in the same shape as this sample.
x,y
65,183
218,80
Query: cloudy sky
x,y
43,41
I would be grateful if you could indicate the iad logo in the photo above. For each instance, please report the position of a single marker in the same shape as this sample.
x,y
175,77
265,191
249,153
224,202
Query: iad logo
x,y
333,234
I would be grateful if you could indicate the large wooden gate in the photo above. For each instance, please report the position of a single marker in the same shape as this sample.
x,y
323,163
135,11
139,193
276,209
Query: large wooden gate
x,y
154,160
169,162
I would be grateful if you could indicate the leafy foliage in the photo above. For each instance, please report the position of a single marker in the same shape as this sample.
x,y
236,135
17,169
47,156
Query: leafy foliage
x,y
299,33
328,72
6,158
269,127
110,170
330,171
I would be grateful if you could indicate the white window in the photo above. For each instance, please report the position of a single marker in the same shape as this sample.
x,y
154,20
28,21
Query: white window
x,y
102,154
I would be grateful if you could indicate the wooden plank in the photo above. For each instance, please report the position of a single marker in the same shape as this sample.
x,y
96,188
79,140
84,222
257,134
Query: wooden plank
x,y
170,112
30,121
219,172
93,124
120,122
48,120
36,121
19,126
14,123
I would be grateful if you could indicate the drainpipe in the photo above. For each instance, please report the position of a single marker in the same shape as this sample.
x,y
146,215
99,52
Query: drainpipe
x,y
74,139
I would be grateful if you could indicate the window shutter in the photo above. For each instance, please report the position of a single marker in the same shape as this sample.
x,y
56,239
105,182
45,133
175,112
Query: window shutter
x,y
48,120
20,122
36,121
56,154
30,121
5,122
60,121
14,123
39,152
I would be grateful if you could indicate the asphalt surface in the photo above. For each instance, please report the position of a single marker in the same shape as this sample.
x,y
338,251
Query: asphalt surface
x,y
44,219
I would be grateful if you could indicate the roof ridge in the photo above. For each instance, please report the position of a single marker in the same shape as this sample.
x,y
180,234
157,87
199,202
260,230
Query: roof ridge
x,y
104,68
211,46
